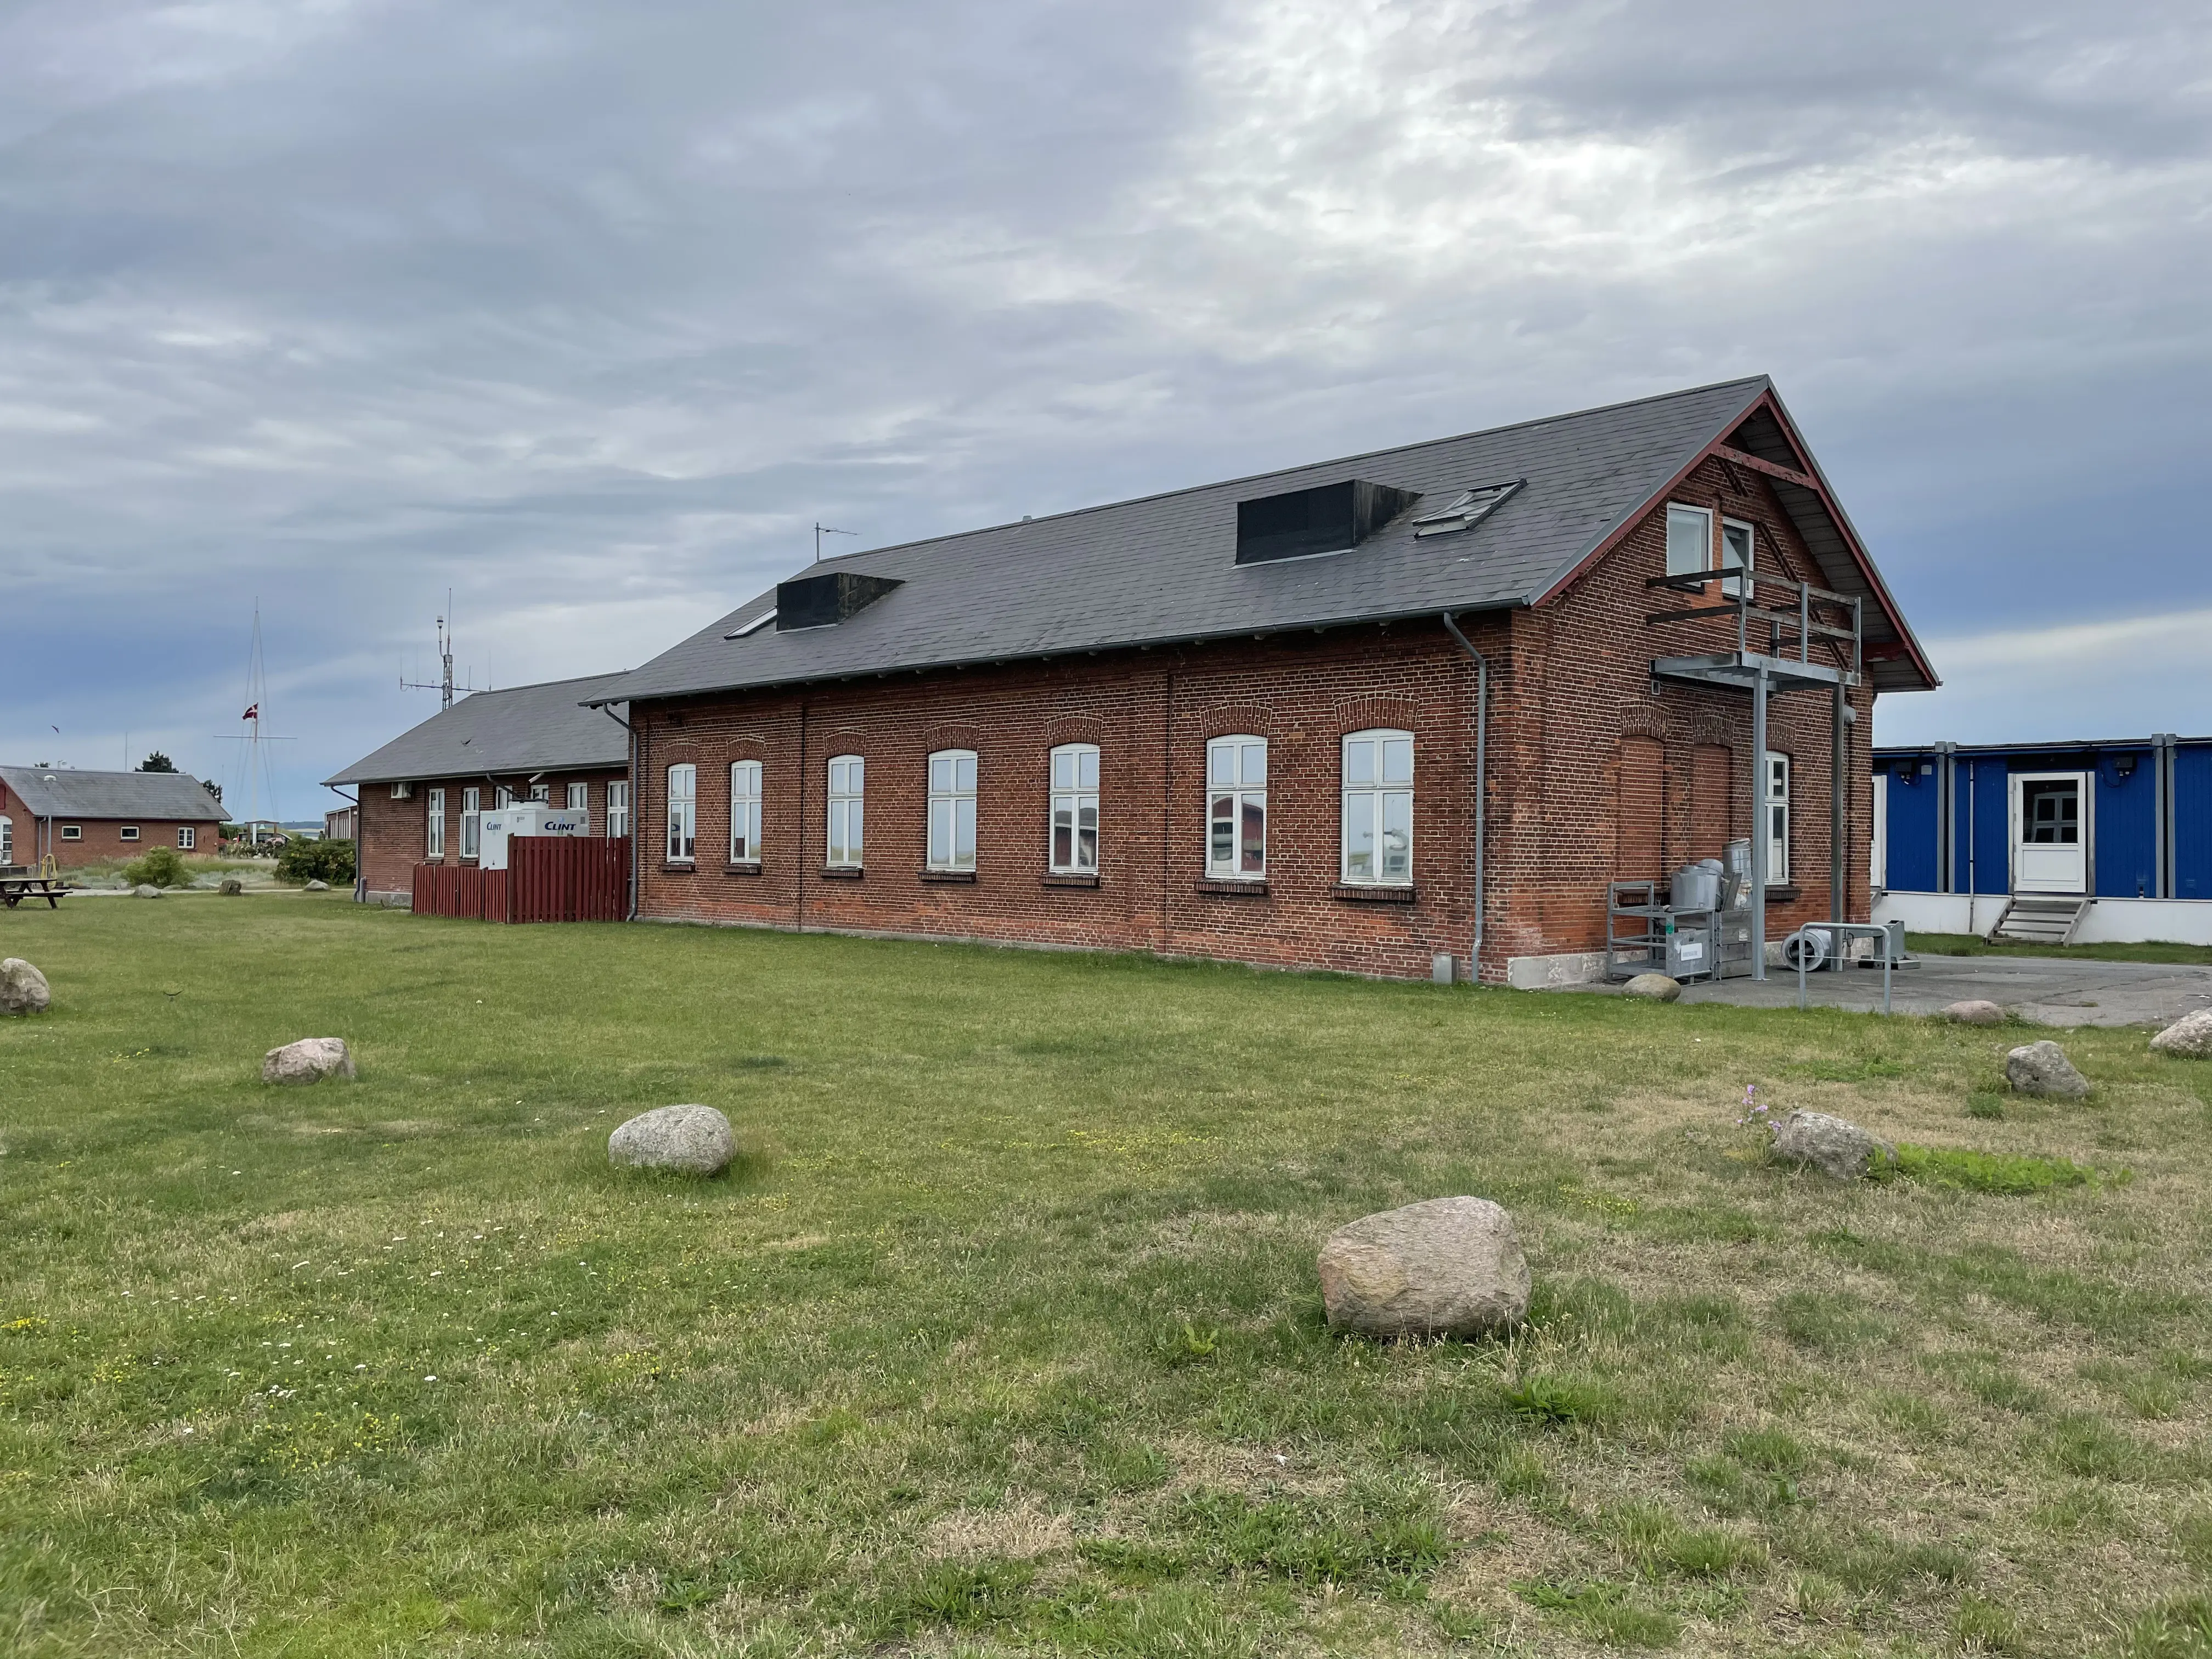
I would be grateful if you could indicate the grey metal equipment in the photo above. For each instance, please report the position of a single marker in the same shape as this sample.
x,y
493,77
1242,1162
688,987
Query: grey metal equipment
x,y
1828,944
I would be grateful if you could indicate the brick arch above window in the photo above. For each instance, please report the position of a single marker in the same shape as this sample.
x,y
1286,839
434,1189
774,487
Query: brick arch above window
x,y
1075,728
837,740
1644,720
953,734
1373,711
1228,719
746,746
1710,726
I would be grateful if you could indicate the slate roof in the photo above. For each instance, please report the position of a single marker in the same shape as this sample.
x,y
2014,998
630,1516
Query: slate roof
x,y
55,793
524,729
1161,568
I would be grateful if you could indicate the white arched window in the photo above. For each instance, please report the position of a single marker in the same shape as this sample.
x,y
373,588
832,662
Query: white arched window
x,y
683,813
1074,843
1379,809
744,812
848,796
1236,808
953,810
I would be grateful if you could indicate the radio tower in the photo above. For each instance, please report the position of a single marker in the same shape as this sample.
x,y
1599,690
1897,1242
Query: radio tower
x,y
445,687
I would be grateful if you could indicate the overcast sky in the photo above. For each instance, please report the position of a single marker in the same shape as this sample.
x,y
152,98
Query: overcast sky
x,y
589,312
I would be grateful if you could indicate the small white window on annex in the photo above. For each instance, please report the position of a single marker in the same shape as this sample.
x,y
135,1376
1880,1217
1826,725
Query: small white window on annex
x,y
541,794
1379,809
683,813
618,810
849,788
744,812
471,821
1236,808
953,810
433,819
1074,830
579,797
188,837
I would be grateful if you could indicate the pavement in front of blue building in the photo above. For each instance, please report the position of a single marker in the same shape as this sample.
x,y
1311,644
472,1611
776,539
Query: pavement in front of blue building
x,y
2045,989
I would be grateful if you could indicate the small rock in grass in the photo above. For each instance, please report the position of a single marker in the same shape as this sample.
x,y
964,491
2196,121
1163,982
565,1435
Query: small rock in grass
x,y
2189,1038
22,988
1447,1267
695,1139
1975,1014
145,890
1835,1146
2042,1068
1656,987
308,1060
230,885
316,887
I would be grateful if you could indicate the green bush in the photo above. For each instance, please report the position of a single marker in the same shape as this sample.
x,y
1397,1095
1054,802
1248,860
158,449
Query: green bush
x,y
303,861
158,867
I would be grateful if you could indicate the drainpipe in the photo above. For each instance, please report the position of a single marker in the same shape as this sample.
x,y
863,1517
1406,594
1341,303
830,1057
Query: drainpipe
x,y
635,804
2161,810
1481,783
1947,785
360,865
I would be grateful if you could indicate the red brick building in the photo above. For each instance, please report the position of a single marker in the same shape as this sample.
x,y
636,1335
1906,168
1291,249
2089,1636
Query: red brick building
x,y
421,796
1358,716
81,817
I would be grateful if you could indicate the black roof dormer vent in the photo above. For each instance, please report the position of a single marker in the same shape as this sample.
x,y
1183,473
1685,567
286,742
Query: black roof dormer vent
x,y
1326,519
825,600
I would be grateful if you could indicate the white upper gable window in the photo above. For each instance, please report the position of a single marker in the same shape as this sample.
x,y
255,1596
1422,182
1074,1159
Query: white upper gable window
x,y
1379,809
1689,540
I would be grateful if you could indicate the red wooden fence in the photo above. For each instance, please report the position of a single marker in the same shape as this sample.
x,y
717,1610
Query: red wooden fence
x,y
548,878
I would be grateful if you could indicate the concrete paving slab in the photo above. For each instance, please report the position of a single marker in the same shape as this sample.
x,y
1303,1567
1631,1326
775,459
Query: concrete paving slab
x,y
2048,990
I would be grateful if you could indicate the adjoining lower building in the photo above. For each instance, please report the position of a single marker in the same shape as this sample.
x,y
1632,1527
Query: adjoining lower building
x,y
422,797
80,817
2066,842
1393,714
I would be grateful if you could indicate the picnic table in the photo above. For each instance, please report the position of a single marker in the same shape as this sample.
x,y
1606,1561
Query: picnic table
x,y
18,884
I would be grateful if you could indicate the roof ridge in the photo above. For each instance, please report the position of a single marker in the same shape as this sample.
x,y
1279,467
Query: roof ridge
x,y
1299,467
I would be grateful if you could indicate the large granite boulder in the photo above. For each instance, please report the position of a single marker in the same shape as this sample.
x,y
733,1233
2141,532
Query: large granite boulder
x,y
2042,1068
145,890
1447,1267
316,887
230,886
2189,1038
1835,1146
1975,1014
693,1139
1653,987
308,1060
22,988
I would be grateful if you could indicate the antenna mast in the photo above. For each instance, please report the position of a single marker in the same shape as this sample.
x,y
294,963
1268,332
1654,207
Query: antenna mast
x,y
445,687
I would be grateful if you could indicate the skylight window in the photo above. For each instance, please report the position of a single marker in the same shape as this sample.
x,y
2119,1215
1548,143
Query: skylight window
x,y
752,626
1465,510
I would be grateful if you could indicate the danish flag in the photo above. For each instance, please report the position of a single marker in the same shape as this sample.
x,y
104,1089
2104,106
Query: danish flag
x,y
252,713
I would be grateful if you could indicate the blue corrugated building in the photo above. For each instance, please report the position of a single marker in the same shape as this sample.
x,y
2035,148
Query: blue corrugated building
x,y
2090,835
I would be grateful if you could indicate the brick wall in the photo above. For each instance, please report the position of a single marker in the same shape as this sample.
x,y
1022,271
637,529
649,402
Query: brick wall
x,y
102,838
394,834
1573,701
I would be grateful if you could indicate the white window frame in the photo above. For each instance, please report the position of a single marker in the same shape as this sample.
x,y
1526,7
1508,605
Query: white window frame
x,y
1073,774
1680,515
579,797
402,792
683,813
127,831
1733,586
1774,816
1376,802
72,832
1242,788
618,809
845,843
471,821
7,839
541,794
188,839
744,812
434,823
952,843
502,798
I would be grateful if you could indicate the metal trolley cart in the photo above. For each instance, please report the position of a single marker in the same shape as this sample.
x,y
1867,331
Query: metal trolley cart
x,y
1643,935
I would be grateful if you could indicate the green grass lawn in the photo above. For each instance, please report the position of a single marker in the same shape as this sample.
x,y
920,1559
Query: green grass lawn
x,y
1005,1338
1972,944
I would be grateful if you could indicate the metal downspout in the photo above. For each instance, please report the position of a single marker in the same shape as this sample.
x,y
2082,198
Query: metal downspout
x,y
1759,842
1481,784
636,802
1838,769
2162,798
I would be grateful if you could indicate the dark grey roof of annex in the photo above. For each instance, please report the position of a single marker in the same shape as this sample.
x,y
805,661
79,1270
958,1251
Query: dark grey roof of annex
x,y
53,792
554,725
1160,570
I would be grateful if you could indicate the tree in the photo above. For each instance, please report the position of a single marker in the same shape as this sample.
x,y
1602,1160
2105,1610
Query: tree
x,y
215,789
157,762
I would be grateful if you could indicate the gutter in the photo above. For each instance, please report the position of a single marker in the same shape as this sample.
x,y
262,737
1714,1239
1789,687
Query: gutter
x,y
636,802
360,864
1481,783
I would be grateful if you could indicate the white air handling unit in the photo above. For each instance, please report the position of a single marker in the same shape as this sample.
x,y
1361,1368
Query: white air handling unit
x,y
507,821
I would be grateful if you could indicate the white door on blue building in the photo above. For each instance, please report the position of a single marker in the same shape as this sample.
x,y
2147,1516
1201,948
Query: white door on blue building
x,y
2049,832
